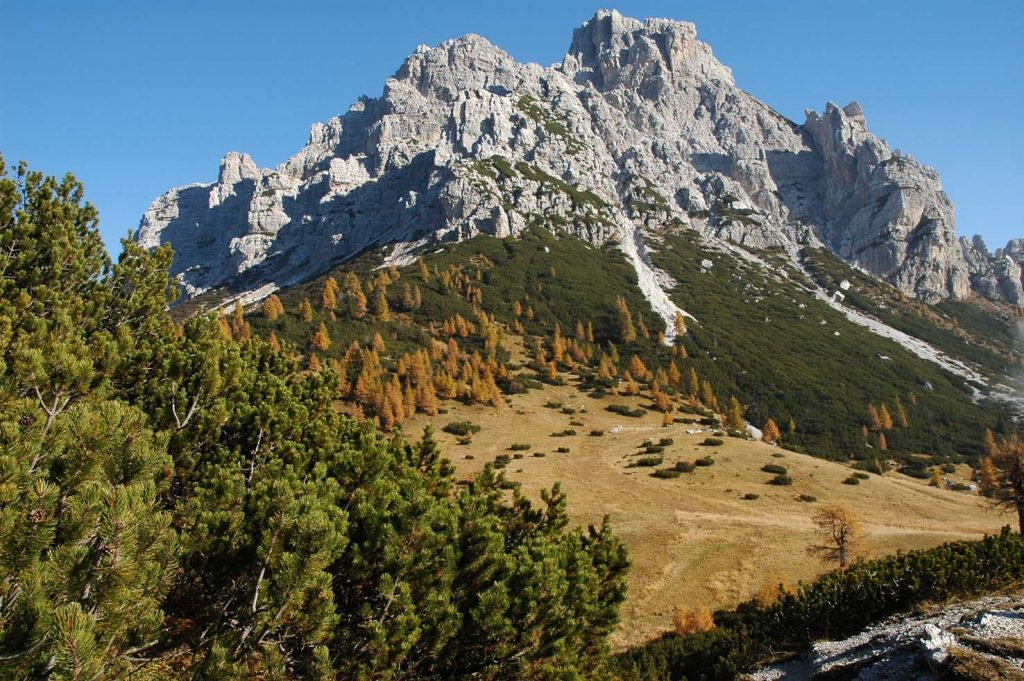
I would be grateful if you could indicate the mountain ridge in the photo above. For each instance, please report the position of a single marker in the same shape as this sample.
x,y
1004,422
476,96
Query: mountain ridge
x,y
638,127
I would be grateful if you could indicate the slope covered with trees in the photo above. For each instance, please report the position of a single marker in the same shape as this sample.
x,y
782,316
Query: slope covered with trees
x,y
760,348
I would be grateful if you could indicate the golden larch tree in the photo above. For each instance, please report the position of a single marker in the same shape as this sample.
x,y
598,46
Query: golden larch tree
x,y
770,433
840,535
321,339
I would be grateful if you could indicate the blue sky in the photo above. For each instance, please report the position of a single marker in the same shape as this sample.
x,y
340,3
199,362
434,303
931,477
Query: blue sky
x,y
135,98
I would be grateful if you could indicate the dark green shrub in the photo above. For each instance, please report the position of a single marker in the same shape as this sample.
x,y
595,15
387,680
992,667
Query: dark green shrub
x,y
467,440
502,460
518,455
948,468
539,455
861,476
774,468
851,481
781,480
562,450
461,428
597,433
518,447
915,471
625,410
665,441
684,466
666,473
750,496
653,449
705,461
568,410
568,432
648,461
551,404
713,442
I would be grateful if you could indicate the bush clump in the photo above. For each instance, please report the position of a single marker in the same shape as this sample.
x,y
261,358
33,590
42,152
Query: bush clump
x,y
518,447
665,442
597,433
781,480
625,410
461,428
705,461
774,468
648,461
807,498
684,466
750,496
666,473
851,481
713,442
562,450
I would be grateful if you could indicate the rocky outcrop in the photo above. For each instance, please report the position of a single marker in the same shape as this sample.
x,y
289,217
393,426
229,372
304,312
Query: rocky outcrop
x,y
950,642
639,128
885,212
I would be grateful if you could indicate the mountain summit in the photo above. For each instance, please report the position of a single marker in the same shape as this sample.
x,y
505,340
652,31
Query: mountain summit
x,y
639,129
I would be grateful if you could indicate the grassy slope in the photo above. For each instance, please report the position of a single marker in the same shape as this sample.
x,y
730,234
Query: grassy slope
x,y
694,540
980,331
753,338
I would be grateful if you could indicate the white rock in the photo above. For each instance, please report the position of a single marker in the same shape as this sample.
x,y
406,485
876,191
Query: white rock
x,y
639,126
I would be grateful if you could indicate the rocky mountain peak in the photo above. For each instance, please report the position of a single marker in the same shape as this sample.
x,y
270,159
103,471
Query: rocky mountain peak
x,y
612,51
470,62
639,127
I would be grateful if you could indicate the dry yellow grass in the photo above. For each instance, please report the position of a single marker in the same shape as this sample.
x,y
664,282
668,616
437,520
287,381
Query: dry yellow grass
x,y
694,541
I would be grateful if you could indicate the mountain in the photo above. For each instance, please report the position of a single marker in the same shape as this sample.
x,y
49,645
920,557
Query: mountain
x,y
638,128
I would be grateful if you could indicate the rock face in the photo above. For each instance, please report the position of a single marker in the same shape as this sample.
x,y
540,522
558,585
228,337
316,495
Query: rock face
x,y
638,128
927,647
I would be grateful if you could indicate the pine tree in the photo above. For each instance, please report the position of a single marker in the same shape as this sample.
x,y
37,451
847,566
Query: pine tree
x,y
840,534
627,332
988,478
272,307
354,295
988,444
707,395
874,418
1008,488
381,309
240,331
424,271
770,433
734,415
306,311
885,417
693,382
679,324
901,414
275,344
321,339
936,478
329,294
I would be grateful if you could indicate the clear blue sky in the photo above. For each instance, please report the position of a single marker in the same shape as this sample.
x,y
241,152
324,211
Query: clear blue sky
x,y
137,97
